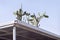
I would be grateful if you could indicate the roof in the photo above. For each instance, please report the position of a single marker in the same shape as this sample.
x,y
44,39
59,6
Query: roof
x,y
26,31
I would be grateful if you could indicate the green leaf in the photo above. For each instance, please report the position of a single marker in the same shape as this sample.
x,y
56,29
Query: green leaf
x,y
30,19
46,16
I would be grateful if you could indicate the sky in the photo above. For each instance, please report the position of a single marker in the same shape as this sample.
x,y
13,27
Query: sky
x,y
52,8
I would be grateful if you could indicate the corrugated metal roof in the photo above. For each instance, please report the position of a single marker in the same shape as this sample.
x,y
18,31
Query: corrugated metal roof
x,y
23,29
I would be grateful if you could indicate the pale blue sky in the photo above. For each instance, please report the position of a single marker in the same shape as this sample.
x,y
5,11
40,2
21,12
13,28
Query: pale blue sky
x,y
52,8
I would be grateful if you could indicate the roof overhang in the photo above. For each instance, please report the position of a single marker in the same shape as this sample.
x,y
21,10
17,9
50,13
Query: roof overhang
x,y
24,29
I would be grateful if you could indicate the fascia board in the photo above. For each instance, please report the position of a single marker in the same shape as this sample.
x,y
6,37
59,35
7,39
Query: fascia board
x,y
40,31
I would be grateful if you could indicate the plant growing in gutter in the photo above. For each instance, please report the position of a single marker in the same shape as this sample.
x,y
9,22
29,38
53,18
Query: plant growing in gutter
x,y
32,19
